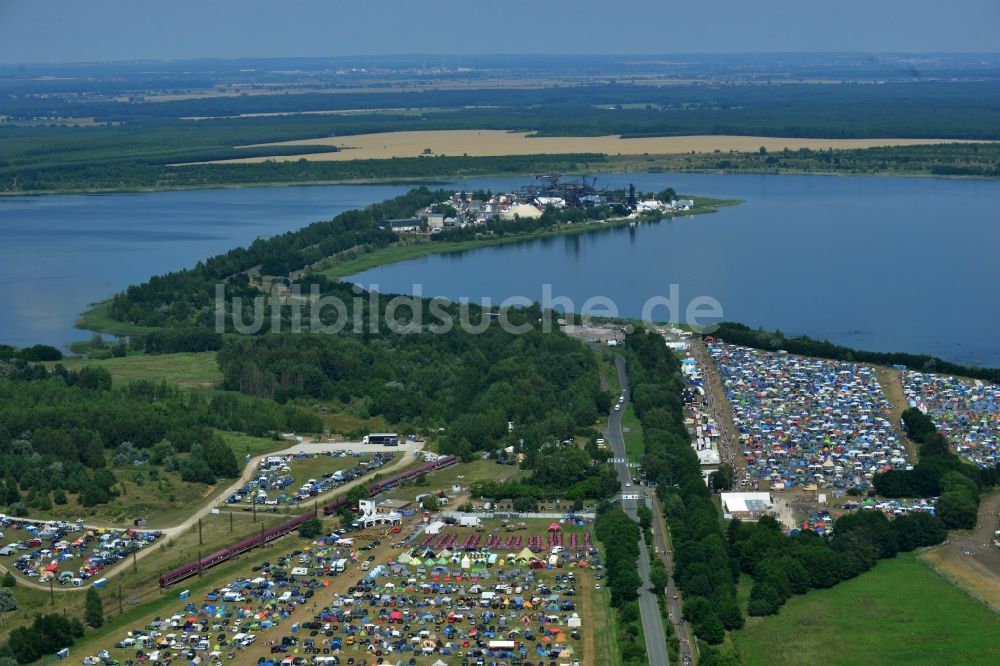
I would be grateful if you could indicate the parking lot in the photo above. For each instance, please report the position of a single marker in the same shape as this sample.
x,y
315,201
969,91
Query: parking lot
x,y
66,553
288,480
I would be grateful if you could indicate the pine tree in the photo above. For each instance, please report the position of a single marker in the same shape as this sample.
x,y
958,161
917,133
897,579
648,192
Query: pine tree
x,y
93,609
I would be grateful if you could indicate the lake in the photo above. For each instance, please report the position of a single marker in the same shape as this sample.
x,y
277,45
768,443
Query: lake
x,y
876,263
889,264
58,254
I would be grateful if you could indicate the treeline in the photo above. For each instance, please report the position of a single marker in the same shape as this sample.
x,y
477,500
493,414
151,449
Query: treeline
x,y
740,334
940,473
186,297
33,354
946,159
702,565
619,535
782,566
559,471
61,431
172,341
708,560
485,388
124,175
45,636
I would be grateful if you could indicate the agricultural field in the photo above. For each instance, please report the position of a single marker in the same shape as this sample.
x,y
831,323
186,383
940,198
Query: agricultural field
x,y
485,142
900,612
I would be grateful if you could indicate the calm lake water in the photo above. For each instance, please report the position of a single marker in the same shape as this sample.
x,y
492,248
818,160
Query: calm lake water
x,y
60,253
875,263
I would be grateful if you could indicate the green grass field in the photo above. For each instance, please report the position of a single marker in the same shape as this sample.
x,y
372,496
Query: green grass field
x,y
462,474
244,445
188,370
98,318
901,612
632,434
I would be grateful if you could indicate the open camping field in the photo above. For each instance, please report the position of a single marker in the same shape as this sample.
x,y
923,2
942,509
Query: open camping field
x,y
901,612
478,143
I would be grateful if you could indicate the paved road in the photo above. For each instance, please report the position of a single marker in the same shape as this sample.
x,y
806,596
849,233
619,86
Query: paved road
x,y
652,625
672,593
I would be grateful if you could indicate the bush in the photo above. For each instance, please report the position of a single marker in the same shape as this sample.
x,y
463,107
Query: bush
x,y
311,528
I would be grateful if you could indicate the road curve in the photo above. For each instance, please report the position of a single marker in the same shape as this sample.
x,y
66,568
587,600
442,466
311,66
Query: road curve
x,y
249,470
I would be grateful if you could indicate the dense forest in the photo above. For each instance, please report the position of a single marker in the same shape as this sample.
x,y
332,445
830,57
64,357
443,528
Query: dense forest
x,y
144,144
930,109
619,535
61,432
127,175
740,334
484,388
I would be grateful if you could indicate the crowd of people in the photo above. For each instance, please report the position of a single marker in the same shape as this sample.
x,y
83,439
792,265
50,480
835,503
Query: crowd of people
x,y
805,422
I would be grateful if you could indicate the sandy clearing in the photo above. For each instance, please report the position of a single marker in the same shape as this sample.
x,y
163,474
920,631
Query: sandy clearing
x,y
478,143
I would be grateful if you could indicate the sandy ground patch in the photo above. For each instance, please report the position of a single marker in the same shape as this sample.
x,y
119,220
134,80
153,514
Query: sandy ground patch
x,y
969,559
479,143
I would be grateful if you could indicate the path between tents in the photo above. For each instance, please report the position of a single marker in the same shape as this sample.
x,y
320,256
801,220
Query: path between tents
x,y
892,387
730,449
307,445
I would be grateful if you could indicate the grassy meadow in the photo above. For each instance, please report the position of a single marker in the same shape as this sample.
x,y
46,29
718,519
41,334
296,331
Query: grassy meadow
x,y
901,612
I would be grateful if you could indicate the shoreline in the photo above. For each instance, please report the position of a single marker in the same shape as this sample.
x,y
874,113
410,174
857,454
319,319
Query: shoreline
x,y
96,319
426,247
611,168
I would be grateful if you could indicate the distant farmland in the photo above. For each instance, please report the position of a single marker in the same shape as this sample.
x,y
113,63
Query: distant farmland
x,y
498,143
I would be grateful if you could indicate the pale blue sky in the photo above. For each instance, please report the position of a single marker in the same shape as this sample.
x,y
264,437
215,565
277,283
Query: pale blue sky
x,y
74,30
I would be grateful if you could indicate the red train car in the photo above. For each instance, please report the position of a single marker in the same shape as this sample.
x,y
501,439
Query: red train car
x,y
220,556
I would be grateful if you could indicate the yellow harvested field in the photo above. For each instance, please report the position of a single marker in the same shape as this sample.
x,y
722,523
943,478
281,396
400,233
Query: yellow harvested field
x,y
478,143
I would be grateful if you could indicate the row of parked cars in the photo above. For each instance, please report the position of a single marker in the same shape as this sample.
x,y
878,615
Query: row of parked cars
x,y
274,481
68,552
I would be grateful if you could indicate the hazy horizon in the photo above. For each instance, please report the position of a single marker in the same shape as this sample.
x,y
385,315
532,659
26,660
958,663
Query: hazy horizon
x,y
123,30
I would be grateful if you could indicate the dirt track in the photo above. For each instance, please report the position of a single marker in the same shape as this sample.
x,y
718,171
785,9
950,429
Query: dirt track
x,y
970,560
249,470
